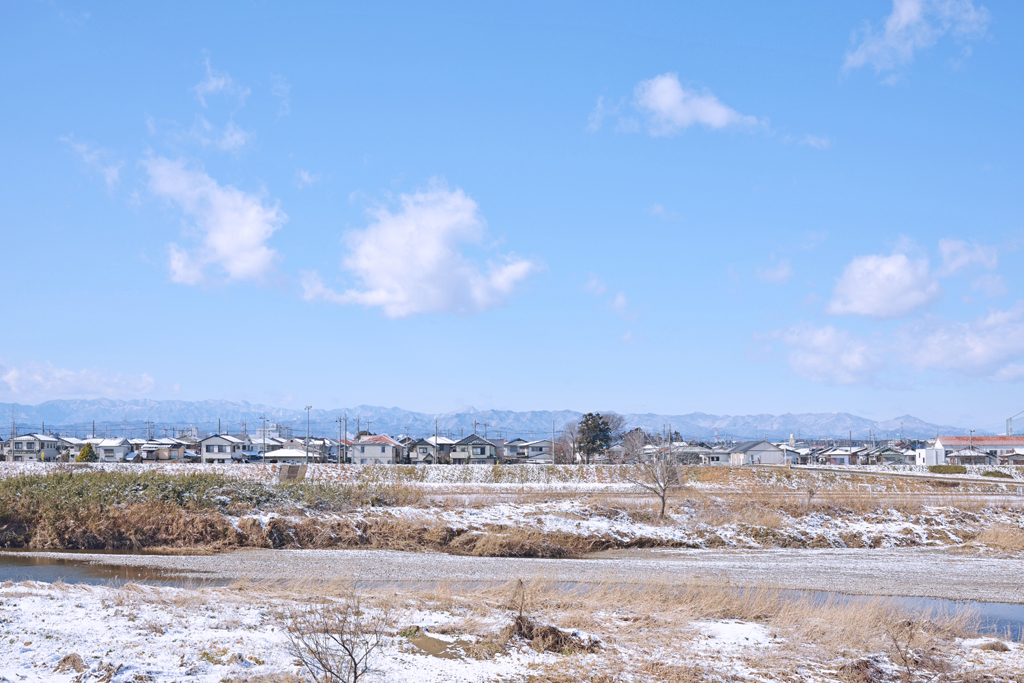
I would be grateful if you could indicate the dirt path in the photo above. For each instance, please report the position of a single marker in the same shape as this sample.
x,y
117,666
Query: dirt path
x,y
903,572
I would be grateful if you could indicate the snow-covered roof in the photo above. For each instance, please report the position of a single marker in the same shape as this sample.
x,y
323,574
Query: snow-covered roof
x,y
35,437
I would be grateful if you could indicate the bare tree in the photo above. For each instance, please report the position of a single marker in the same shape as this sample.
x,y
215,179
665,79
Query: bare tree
x,y
334,640
633,443
659,477
566,445
616,423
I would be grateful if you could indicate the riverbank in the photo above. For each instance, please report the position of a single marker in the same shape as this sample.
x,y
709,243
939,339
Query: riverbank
x,y
517,631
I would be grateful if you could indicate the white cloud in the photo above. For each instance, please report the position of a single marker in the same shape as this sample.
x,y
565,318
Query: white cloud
x,y
230,139
410,261
628,338
826,354
990,285
594,284
958,254
659,211
913,25
780,273
217,82
883,287
596,116
281,88
619,303
305,178
233,138
233,226
99,159
36,382
981,346
816,141
670,107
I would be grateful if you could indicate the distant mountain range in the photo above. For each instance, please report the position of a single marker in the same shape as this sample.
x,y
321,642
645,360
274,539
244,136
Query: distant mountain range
x,y
116,417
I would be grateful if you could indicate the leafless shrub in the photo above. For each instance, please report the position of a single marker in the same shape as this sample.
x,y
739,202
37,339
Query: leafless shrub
x,y
910,649
334,640
658,477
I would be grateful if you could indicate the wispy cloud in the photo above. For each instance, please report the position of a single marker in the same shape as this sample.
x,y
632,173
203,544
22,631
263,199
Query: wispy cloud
x,y
304,178
781,272
35,382
281,89
914,25
217,82
827,354
659,211
232,226
958,255
670,107
596,116
816,141
97,158
990,285
410,261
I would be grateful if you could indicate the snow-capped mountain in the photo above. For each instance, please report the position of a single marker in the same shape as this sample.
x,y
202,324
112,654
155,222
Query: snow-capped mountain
x,y
115,416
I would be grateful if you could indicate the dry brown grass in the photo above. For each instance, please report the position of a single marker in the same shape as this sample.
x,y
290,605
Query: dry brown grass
x,y
1002,536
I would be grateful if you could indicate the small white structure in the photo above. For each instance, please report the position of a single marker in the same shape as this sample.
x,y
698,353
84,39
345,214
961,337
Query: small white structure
x,y
931,456
756,453
111,450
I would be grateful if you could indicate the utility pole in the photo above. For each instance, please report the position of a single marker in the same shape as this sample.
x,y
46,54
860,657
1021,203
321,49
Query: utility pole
x,y
346,435
218,425
474,427
972,439
308,408
264,417
436,450
340,442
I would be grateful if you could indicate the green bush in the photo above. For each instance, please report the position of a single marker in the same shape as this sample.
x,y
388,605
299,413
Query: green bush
x,y
947,469
87,454
996,473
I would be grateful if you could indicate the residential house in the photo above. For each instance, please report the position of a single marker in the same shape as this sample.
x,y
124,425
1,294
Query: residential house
x,y
34,447
755,453
444,447
971,456
376,450
114,449
511,453
474,450
223,449
1003,447
421,452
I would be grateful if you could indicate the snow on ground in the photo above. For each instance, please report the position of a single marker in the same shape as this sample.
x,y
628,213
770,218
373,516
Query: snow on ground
x,y
572,478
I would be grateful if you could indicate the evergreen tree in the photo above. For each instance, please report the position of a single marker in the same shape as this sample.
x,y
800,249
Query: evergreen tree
x,y
595,435
87,454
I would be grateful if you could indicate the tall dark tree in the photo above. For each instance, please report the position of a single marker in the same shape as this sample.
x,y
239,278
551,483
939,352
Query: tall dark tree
x,y
595,436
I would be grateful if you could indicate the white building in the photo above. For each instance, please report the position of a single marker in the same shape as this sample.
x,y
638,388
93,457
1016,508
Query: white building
x,y
376,450
223,449
111,450
34,447
756,453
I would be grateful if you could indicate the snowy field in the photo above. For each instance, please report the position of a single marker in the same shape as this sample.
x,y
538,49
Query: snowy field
x,y
132,634
573,479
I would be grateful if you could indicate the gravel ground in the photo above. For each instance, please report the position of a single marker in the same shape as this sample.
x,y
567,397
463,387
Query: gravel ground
x,y
934,573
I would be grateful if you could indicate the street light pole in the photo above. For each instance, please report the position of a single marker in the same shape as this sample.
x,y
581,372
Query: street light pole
x,y
308,408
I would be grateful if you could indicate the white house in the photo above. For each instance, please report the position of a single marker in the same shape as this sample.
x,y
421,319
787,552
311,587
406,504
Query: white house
x,y
223,448
34,447
756,453
376,450
111,450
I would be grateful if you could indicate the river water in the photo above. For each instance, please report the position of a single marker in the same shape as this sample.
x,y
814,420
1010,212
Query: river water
x,y
1005,620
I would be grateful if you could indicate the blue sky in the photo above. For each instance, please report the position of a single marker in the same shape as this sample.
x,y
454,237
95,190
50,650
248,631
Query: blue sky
x,y
720,207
